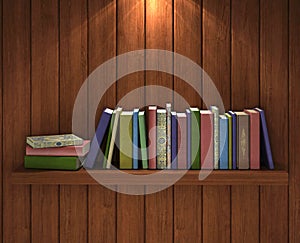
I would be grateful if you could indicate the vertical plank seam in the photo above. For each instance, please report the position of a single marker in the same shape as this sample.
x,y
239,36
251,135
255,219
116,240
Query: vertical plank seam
x,y
259,216
173,49
87,213
230,84
173,210
259,50
58,86
2,100
116,99
288,124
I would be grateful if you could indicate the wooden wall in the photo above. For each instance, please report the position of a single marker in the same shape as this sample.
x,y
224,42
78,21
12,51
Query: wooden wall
x,y
250,48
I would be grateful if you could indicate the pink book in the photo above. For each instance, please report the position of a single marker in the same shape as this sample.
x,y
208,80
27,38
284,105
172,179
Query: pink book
x,y
207,148
80,150
182,141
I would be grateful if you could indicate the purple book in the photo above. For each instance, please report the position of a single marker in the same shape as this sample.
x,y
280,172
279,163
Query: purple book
x,y
174,139
188,120
265,148
98,139
234,154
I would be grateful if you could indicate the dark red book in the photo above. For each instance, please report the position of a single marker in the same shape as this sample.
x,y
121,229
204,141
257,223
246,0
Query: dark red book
x,y
182,141
152,136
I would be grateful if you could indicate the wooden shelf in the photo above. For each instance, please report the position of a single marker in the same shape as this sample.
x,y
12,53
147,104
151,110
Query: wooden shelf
x,y
217,177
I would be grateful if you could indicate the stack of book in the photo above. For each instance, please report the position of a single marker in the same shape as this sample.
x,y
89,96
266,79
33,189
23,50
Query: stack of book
x,y
59,152
195,139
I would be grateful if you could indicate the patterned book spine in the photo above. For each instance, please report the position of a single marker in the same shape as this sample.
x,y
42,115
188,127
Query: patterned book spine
x,y
195,138
169,141
188,125
243,140
229,141
182,140
215,111
135,137
234,138
223,142
126,140
152,136
161,144
207,151
174,128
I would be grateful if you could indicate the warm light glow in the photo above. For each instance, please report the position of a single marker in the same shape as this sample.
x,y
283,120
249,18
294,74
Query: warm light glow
x,y
152,5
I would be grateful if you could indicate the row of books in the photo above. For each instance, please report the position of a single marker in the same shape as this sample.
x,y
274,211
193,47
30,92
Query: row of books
x,y
197,139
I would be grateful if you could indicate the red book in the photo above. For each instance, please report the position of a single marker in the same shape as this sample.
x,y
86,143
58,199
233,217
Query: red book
x,y
152,136
254,138
182,141
207,143
80,150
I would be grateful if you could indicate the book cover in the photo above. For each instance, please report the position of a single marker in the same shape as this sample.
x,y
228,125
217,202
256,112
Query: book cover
x,y
223,165
188,135
234,140
207,151
98,138
242,140
50,141
182,140
229,140
52,163
215,111
152,136
195,138
80,150
265,149
135,139
161,144
174,132
143,145
169,141
126,140
254,144
108,139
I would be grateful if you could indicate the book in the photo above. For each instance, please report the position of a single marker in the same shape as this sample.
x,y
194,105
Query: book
x,y
98,139
195,138
126,140
143,145
242,140
113,136
80,150
206,139
215,111
161,144
229,140
223,165
234,140
188,136
265,149
174,131
50,141
254,144
182,140
135,139
52,163
109,138
152,136
169,141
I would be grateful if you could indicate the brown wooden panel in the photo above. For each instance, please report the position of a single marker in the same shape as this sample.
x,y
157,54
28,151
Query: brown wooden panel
x,y
16,122
245,214
159,215
294,116
274,214
187,42
187,213
102,214
45,107
1,120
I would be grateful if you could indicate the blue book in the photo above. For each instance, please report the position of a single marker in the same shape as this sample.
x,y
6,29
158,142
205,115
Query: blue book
x,y
223,162
135,138
98,139
234,154
265,148
188,125
174,128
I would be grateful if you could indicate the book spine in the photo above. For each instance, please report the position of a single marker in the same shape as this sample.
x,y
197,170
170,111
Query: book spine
x,y
195,138
207,152
243,141
229,141
188,121
182,142
174,133
169,141
53,144
152,138
215,111
135,139
142,130
108,139
161,144
125,141
223,143
54,163
234,140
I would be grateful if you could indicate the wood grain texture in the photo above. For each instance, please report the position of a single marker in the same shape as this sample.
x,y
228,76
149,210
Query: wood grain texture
x,y
187,213
1,120
274,214
245,214
16,107
159,215
45,110
294,116
216,214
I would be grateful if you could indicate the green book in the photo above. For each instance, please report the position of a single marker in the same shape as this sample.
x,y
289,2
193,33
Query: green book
x,y
108,139
142,130
52,162
195,138
126,140
229,141
161,139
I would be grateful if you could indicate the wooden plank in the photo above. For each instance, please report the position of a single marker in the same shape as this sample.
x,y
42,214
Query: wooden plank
x,y
187,42
274,214
44,107
16,122
73,210
1,120
187,213
245,214
159,215
216,214
294,116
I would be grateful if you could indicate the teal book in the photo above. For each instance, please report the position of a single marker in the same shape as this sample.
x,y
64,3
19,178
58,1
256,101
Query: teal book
x,y
195,138
52,163
223,165
126,140
161,142
143,145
